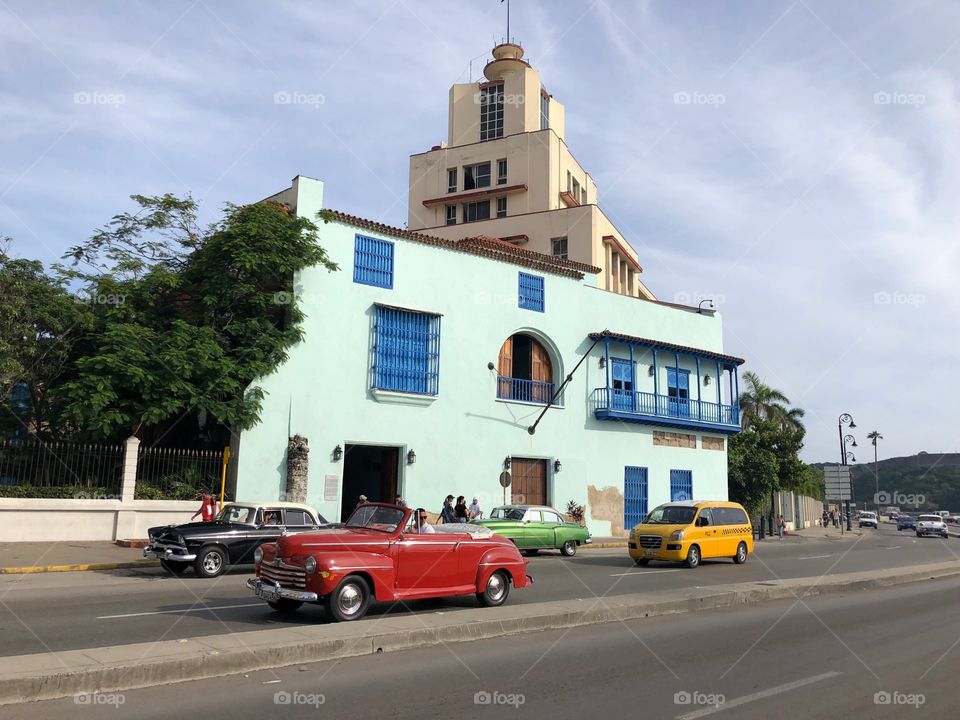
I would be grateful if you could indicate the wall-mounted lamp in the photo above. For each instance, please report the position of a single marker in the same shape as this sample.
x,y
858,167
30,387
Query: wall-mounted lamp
x,y
557,467
707,300
507,462
651,370
411,457
603,362
337,453
706,379
490,366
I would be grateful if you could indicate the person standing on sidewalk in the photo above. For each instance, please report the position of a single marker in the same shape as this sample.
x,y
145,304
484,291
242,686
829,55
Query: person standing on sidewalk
x,y
208,508
781,526
447,514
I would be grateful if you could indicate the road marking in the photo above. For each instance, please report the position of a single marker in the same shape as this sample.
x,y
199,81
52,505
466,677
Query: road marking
x,y
815,557
178,612
894,547
769,692
646,572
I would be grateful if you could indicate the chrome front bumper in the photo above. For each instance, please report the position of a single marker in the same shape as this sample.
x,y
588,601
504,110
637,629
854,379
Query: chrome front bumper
x,y
168,552
274,591
588,541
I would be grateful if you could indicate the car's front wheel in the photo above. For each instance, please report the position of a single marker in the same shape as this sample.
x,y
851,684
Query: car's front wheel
x,y
285,605
496,591
349,600
693,556
174,567
569,548
211,561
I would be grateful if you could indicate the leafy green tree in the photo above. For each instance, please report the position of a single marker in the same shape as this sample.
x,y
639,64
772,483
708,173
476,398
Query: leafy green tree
x,y
41,323
752,470
199,314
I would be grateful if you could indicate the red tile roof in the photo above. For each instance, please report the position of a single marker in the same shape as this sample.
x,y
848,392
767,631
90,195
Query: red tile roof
x,y
660,345
492,248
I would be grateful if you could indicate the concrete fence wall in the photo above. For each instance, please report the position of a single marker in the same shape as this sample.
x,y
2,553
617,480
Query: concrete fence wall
x,y
799,511
39,519
123,518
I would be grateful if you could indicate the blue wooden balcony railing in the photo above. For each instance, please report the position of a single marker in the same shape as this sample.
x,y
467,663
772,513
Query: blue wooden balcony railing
x,y
643,406
532,391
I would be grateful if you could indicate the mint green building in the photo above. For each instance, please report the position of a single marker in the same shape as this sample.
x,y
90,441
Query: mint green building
x,y
439,358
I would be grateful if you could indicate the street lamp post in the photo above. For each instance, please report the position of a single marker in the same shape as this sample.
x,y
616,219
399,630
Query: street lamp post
x,y
846,419
874,436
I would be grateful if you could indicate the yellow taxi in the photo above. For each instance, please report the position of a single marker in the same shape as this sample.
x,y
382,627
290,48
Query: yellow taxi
x,y
693,531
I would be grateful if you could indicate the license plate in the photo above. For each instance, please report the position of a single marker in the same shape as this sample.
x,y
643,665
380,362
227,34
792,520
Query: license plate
x,y
265,593
650,553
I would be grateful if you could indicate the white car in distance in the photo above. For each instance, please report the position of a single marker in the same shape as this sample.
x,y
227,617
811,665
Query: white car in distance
x,y
868,519
931,525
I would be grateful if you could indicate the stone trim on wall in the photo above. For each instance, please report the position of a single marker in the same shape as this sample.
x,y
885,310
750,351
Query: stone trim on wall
x,y
713,443
672,439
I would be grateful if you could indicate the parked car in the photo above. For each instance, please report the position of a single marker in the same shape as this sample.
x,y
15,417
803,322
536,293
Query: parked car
x,y
692,531
536,527
380,554
906,522
230,538
867,519
931,525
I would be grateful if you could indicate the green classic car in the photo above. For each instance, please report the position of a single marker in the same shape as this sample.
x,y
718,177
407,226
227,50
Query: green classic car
x,y
536,527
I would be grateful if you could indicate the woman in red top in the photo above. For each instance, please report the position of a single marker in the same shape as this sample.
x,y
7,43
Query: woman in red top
x,y
208,508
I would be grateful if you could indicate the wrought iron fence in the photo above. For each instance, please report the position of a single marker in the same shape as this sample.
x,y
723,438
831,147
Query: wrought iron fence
x,y
172,474
34,469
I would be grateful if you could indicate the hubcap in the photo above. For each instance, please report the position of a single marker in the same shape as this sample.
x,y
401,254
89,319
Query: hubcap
x,y
349,600
743,552
212,562
495,586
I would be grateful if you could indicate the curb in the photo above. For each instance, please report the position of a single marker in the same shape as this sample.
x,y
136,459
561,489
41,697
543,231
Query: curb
x,y
47,676
31,569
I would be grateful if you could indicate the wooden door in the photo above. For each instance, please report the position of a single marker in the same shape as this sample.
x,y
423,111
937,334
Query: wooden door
x,y
529,485
541,373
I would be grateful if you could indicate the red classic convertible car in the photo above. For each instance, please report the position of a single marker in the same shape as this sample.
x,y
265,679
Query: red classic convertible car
x,y
380,553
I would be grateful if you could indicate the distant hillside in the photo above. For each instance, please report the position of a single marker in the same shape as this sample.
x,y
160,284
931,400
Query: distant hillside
x,y
934,476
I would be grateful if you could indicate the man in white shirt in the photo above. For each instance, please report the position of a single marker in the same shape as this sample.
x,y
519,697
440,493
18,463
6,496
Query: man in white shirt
x,y
476,512
422,525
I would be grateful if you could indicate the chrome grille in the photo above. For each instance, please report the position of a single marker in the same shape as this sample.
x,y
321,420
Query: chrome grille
x,y
650,541
287,575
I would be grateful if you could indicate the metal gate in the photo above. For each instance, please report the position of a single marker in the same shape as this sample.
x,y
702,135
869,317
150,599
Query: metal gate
x,y
634,496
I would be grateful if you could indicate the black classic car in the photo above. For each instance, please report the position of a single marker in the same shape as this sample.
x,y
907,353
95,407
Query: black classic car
x,y
230,538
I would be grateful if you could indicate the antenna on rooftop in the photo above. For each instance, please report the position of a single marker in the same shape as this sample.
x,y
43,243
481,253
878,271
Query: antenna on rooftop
x,y
508,19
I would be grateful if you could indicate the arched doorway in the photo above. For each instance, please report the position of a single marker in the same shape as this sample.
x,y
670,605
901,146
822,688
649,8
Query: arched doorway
x,y
524,370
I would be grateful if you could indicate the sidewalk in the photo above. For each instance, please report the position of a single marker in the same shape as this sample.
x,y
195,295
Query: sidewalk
x,y
34,557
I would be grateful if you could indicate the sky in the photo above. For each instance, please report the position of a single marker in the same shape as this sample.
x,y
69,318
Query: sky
x,y
795,161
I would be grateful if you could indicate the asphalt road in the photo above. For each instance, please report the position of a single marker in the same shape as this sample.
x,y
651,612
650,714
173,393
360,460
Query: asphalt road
x,y
867,654
62,611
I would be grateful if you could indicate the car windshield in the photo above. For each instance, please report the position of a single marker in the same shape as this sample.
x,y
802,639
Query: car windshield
x,y
376,517
236,514
671,515
507,513
931,518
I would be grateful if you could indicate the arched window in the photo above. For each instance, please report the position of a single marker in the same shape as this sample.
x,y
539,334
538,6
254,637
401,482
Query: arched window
x,y
524,370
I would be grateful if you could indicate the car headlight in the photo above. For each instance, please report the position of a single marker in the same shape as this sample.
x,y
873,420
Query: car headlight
x,y
677,535
310,565
258,555
633,534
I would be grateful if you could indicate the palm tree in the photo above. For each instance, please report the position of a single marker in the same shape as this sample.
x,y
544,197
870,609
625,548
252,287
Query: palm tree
x,y
760,402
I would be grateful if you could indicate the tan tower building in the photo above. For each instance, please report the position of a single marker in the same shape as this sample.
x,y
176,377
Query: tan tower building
x,y
506,172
